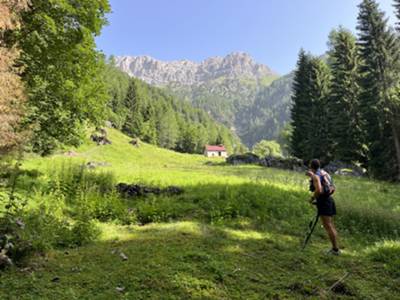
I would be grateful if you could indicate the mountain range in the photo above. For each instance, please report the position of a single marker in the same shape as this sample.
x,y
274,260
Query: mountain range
x,y
246,96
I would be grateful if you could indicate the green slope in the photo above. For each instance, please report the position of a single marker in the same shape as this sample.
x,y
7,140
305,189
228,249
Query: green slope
x,y
235,103
234,234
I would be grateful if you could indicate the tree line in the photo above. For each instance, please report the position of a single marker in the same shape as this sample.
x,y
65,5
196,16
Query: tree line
x,y
157,117
55,84
346,105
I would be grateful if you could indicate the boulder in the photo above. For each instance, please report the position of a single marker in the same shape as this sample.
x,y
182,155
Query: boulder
x,y
100,137
292,163
341,168
243,159
135,143
109,124
136,190
94,164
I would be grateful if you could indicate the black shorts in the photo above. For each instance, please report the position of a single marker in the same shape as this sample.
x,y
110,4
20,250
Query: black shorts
x,y
326,206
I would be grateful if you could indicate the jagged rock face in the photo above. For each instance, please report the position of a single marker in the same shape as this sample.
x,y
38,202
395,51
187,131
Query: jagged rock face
x,y
233,66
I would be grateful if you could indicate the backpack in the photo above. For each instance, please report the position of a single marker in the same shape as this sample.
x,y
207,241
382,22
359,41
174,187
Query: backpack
x,y
328,187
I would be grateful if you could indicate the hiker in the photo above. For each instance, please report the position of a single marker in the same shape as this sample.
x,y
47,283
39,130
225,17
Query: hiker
x,y
323,188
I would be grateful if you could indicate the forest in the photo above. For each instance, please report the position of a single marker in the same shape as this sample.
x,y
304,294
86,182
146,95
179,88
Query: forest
x,y
347,107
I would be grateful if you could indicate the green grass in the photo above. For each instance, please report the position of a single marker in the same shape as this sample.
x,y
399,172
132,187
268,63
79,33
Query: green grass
x,y
235,233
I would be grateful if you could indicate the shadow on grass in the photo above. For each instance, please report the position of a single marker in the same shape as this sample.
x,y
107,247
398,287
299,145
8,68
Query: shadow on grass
x,y
265,205
185,260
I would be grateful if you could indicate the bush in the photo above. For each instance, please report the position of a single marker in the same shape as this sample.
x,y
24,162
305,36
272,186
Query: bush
x,y
267,148
13,246
74,180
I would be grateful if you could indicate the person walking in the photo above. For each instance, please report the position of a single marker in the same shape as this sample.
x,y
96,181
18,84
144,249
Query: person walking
x,y
322,187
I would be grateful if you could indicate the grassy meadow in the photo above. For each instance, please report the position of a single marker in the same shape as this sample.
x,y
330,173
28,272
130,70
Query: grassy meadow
x,y
235,232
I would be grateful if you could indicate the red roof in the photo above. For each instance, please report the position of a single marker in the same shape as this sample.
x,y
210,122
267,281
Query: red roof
x,y
215,148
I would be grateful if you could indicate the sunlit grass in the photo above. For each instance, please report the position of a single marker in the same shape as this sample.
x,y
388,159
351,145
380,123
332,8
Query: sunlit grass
x,y
235,233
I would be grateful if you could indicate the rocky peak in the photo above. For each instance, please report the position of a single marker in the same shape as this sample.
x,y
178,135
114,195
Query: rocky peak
x,y
233,66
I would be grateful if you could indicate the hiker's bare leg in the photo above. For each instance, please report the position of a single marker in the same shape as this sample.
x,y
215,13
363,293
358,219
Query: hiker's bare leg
x,y
331,230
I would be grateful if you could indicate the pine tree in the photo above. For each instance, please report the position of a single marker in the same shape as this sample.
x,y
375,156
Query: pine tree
x,y
345,95
117,85
167,128
378,51
397,13
311,137
319,136
133,102
301,107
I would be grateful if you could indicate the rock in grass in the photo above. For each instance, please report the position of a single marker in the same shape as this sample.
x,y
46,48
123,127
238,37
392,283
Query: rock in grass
x,y
5,261
123,256
94,164
135,143
100,137
243,159
120,289
136,190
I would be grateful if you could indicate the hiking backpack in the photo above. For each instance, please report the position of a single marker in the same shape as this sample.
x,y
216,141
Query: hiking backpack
x,y
328,187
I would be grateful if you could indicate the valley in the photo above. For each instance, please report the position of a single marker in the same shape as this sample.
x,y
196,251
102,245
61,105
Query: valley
x,y
247,97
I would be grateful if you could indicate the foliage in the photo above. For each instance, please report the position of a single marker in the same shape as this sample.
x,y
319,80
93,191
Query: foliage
x,y
117,84
244,104
63,71
311,136
379,79
12,94
13,245
345,116
357,107
158,118
269,114
267,148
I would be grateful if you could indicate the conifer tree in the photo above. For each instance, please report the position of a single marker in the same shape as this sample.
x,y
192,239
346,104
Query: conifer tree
x,y
345,95
378,48
301,107
311,137
133,102
167,129
319,134
397,13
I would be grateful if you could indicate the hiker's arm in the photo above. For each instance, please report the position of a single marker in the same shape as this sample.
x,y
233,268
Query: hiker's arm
x,y
317,185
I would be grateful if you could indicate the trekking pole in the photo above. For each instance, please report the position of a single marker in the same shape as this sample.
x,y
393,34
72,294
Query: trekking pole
x,y
311,227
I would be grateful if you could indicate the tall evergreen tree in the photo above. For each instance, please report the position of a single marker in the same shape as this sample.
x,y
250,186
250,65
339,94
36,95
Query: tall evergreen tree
x,y
378,48
319,136
345,95
311,135
397,13
301,105
134,121
168,130
117,85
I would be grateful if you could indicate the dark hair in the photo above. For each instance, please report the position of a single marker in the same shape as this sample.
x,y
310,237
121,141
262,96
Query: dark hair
x,y
315,164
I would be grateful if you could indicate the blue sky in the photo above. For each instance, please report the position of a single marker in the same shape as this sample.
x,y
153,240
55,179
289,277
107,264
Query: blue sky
x,y
272,31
